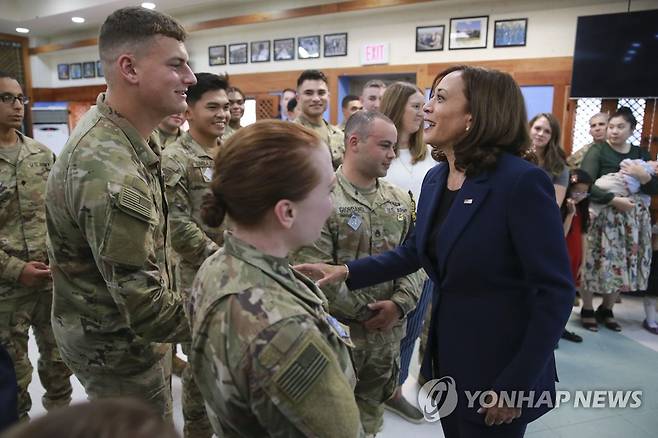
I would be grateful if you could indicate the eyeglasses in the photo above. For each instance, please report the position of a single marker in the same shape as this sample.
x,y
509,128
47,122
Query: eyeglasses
x,y
9,99
579,194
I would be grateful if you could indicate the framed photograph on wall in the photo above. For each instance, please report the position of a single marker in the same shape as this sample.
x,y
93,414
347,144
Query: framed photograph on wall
x,y
89,69
284,49
99,69
63,72
429,38
75,70
237,53
335,44
217,55
468,33
260,51
308,47
510,33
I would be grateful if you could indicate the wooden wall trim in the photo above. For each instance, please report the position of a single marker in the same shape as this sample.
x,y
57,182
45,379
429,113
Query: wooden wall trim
x,y
46,48
286,14
83,94
533,71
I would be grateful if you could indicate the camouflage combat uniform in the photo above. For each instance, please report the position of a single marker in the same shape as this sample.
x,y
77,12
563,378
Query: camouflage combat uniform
x,y
106,217
166,138
228,132
575,160
23,239
187,169
268,358
362,225
332,136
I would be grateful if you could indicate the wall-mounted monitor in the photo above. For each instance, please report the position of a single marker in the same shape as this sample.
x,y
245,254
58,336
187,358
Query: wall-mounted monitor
x,y
616,55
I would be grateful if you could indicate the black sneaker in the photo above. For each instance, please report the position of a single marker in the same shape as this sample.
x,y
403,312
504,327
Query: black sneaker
x,y
404,409
571,336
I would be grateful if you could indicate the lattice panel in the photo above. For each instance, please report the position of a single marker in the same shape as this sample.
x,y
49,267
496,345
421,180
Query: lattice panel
x,y
266,107
585,109
638,107
11,60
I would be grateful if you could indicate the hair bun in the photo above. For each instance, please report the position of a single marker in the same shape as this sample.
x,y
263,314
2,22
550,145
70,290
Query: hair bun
x,y
213,210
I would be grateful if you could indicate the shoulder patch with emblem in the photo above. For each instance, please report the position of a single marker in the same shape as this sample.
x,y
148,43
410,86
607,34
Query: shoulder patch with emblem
x,y
300,375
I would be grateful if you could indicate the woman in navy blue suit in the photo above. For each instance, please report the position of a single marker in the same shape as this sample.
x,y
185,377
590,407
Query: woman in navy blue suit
x,y
489,235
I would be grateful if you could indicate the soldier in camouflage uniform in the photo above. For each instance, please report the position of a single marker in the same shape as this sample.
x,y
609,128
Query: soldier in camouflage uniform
x,y
169,129
269,359
25,285
106,217
236,106
370,216
187,166
313,98
598,129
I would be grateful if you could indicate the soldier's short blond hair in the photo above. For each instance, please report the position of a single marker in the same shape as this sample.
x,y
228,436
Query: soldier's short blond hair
x,y
131,27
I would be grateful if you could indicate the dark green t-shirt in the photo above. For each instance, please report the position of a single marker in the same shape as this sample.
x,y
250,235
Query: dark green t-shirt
x,y
602,159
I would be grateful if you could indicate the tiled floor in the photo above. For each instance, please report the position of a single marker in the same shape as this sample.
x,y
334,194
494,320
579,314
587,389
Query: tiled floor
x,y
605,360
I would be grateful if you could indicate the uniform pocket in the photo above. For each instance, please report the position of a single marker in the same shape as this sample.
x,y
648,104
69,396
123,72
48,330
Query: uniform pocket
x,y
7,190
129,233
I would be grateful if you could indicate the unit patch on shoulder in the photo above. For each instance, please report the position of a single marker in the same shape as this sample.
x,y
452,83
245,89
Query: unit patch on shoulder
x,y
302,373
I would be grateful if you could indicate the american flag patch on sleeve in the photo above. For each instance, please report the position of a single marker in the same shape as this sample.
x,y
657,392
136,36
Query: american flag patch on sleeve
x,y
302,373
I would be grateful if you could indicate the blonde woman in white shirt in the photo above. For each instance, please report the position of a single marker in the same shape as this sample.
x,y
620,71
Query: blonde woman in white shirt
x,y
403,104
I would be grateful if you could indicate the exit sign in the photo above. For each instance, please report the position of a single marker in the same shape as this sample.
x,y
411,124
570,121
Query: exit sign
x,y
374,54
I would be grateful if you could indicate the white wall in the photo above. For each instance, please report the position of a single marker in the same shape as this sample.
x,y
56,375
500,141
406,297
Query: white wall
x,y
551,32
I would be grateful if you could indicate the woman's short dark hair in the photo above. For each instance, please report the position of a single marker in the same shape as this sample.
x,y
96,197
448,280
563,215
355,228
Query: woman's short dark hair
x,y
625,113
497,108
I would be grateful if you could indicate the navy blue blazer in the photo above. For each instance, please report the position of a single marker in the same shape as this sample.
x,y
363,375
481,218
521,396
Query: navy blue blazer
x,y
503,285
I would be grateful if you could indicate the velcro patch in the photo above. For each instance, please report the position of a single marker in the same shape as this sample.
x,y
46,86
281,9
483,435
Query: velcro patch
x,y
302,373
130,200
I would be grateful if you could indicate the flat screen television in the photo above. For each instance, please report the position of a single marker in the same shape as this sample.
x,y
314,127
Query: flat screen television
x,y
616,55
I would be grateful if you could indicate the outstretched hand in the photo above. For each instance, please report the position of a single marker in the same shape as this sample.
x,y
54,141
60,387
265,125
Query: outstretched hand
x,y
323,273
